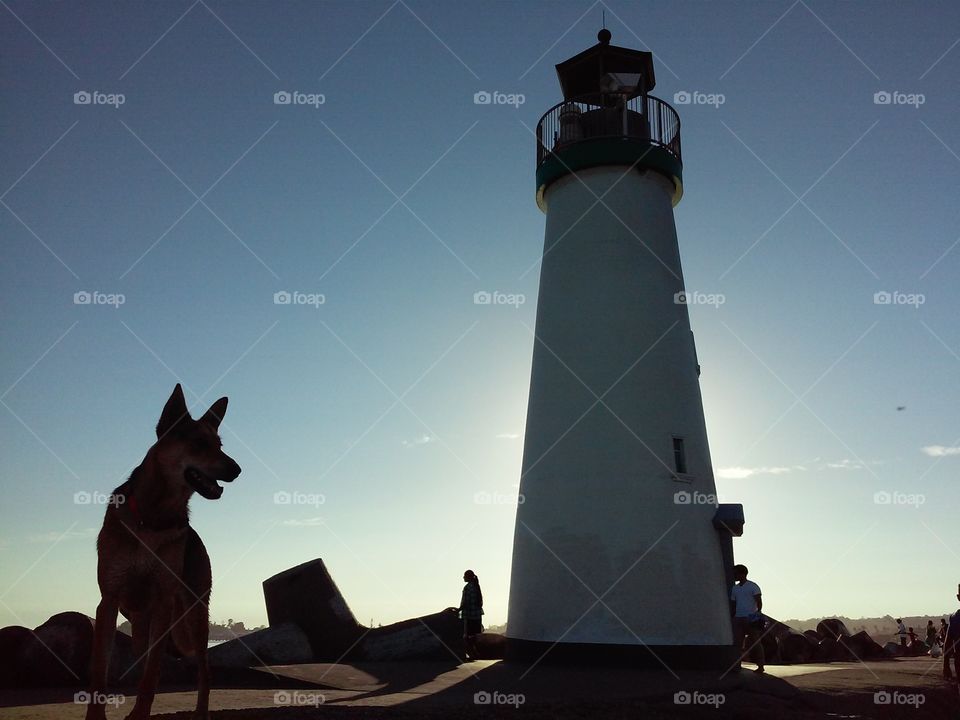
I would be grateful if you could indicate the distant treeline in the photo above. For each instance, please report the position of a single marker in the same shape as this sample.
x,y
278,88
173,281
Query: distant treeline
x,y
218,631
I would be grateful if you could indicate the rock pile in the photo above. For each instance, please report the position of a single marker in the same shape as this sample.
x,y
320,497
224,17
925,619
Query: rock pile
x,y
56,653
309,622
830,642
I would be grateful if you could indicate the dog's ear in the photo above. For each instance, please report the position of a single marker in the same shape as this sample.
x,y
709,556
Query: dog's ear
x,y
215,414
173,412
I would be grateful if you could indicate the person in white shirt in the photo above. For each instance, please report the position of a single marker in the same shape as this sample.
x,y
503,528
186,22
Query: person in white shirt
x,y
902,632
746,603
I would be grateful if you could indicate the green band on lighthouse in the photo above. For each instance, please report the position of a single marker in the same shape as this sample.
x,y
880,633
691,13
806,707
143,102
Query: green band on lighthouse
x,y
623,151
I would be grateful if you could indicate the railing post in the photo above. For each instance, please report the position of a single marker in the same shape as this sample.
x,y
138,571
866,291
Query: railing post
x,y
660,122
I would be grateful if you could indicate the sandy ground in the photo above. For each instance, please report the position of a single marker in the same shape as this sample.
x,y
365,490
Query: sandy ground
x,y
913,689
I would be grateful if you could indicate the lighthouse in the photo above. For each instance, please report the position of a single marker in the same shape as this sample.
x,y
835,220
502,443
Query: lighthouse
x,y
621,550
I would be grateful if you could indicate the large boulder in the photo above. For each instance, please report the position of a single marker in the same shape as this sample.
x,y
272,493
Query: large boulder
x,y
307,596
813,636
775,628
773,631
12,641
796,648
284,644
918,647
833,628
491,646
862,646
432,637
826,650
58,651
843,651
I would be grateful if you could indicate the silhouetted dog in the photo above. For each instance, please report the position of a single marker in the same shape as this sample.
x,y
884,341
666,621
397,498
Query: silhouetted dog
x,y
151,565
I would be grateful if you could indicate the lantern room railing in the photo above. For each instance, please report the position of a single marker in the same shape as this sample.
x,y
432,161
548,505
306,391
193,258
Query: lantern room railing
x,y
644,118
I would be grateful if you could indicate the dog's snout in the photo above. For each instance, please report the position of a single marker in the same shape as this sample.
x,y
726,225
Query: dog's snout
x,y
232,470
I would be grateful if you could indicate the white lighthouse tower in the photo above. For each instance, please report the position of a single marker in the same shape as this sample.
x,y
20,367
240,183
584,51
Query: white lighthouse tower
x,y
620,550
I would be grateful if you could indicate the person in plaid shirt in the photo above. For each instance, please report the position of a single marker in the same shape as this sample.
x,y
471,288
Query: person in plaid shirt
x,y
471,611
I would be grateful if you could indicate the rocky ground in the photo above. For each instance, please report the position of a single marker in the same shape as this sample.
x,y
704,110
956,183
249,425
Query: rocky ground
x,y
827,673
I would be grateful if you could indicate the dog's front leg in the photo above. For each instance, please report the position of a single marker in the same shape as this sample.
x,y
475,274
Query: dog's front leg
x,y
104,629
160,621
203,685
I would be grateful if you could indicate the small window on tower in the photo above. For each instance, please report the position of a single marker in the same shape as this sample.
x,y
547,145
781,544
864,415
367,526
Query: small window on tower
x,y
679,456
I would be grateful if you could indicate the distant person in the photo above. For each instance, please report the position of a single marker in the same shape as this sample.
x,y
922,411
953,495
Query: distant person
x,y
931,633
912,641
471,611
942,634
902,632
951,644
746,603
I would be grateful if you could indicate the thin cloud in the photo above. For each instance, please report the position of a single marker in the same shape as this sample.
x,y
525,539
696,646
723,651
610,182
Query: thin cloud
x,y
941,450
845,464
740,473
422,440
508,436
305,522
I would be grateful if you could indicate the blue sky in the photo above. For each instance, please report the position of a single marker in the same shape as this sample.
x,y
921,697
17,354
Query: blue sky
x,y
398,400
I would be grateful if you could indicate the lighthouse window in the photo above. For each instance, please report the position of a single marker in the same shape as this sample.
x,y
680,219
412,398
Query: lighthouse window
x,y
679,456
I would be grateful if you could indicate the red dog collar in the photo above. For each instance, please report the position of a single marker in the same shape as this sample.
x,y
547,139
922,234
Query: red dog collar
x,y
132,502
